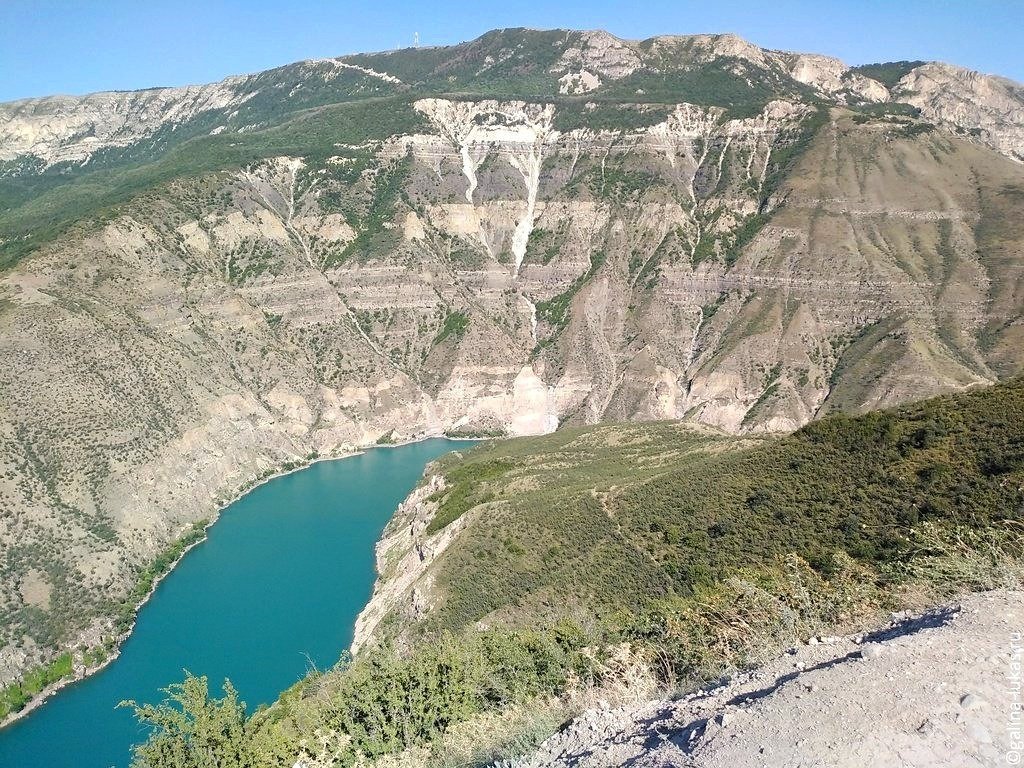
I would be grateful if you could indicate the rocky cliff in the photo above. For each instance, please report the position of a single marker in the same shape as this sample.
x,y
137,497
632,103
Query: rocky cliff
x,y
206,283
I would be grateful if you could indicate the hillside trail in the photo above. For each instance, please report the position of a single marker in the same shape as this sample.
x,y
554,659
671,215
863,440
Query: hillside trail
x,y
942,688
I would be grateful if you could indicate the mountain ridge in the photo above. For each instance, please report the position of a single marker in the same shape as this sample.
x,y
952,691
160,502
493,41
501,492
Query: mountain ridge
x,y
190,311
714,36
829,74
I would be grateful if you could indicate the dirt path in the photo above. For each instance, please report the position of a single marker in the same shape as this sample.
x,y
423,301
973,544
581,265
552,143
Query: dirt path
x,y
931,690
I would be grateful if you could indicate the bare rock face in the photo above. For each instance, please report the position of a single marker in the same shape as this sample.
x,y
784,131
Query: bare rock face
x,y
986,107
596,56
832,77
404,554
71,129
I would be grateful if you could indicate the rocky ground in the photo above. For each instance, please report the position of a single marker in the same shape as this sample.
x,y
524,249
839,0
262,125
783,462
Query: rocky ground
x,y
937,689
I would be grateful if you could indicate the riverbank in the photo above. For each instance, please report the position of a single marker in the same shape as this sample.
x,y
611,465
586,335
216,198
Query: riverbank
x,y
272,594
284,468
118,640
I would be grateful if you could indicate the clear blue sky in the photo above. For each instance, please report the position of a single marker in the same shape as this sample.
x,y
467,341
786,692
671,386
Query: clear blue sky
x,y
77,46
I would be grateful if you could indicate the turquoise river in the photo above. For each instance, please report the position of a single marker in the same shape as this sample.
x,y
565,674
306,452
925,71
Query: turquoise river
x,y
275,588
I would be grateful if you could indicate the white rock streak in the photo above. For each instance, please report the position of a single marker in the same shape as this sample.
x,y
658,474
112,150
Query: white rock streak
x,y
529,167
533,317
515,130
365,70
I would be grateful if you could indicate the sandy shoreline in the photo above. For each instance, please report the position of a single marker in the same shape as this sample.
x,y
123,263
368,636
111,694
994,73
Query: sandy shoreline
x,y
49,691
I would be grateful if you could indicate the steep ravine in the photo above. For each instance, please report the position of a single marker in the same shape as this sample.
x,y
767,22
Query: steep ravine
x,y
504,266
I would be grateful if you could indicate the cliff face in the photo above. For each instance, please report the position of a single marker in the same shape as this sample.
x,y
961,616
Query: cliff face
x,y
968,103
466,265
58,129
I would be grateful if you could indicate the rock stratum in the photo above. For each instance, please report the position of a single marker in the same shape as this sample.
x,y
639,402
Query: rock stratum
x,y
533,229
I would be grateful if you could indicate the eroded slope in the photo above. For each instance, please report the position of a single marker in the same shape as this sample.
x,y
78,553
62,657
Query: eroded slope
x,y
410,266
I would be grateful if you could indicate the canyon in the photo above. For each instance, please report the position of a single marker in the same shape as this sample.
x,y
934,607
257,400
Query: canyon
x,y
529,231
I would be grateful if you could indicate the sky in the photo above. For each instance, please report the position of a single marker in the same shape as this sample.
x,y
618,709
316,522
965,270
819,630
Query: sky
x,y
80,46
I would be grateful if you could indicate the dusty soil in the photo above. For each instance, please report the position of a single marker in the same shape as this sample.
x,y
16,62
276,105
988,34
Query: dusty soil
x,y
938,689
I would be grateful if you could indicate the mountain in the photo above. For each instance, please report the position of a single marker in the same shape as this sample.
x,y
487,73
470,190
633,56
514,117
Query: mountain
x,y
62,132
203,285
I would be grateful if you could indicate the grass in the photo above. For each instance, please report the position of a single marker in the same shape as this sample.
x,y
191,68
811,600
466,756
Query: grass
x,y
617,518
467,488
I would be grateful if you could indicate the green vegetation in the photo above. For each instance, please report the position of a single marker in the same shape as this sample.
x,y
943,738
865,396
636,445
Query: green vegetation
x,y
621,183
886,109
889,73
555,311
350,108
455,324
15,696
742,88
783,158
599,115
192,730
373,235
26,222
646,513
378,704
700,552
466,488
742,236
511,63
730,245
543,245
155,570
388,438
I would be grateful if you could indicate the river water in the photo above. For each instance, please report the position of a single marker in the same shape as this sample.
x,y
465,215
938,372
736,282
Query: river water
x,y
275,588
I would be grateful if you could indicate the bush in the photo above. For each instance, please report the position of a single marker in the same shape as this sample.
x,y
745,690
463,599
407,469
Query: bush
x,y
191,730
380,703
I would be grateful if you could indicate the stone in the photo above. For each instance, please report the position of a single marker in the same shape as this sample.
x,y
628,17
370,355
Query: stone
x,y
871,651
971,702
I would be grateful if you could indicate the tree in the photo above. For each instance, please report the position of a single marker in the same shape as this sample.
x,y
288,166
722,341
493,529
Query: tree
x,y
192,730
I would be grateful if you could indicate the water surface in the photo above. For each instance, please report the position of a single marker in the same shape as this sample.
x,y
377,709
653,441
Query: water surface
x,y
275,588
